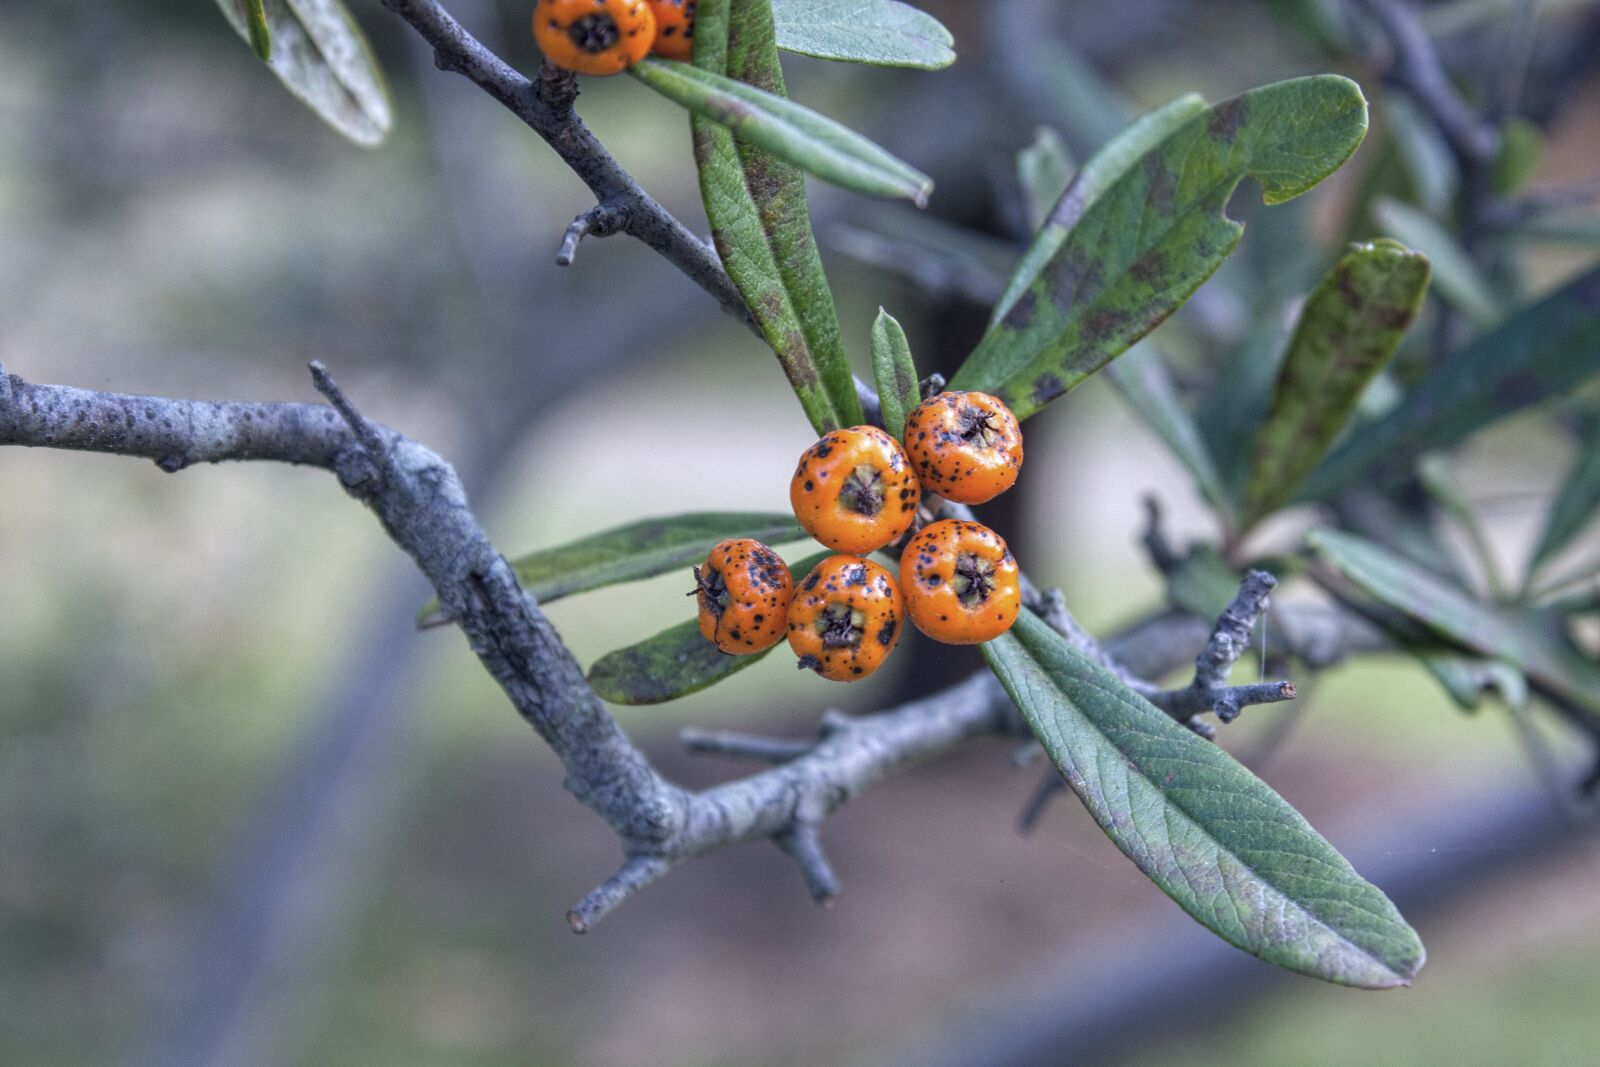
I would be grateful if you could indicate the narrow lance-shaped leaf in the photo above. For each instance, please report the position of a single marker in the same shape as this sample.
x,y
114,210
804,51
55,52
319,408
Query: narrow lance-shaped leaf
x,y
762,226
895,373
1347,333
1447,494
638,550
884,33
1044,169
1544,350
1575,503
1104,167
812,142
1142,378
1531,643
1211,835
672,664
1456,277
1157,232
1467,678
259,34
319,53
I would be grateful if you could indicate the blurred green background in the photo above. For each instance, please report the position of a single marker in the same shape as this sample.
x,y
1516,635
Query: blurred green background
x,y
218,729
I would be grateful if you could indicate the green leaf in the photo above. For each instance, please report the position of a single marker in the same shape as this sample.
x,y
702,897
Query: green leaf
x,y
1158,231
1143,135
1433,474
1521,147
1456,276
895,373
761,225
319,53
1347,333
1561,227
259,34
880,32
1043,170
1235,404
638,550
1575,503
1467,678
674,663
1144,381
795,134
1544,350
1211,835
1529,641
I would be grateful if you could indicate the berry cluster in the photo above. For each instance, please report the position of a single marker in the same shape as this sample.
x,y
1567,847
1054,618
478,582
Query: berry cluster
x,y
858,491
609,36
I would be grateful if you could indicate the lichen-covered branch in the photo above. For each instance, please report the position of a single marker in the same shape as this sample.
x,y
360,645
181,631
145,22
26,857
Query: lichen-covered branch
x,y
422,506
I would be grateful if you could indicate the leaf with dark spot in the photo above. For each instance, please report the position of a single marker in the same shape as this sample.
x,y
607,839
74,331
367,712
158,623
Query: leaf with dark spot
x,y
761,224
1545,350
638,550
1347,333
1211,835
894,372
1158,228
674,663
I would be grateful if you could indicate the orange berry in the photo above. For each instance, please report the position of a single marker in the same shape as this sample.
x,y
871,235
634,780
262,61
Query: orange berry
x,y
743,592
845,618
594,36
960,582
854,491
674,28
966,447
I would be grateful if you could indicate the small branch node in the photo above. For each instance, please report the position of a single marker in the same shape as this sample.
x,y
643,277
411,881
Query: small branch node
x,y
363,430
743,746
1156,544
602,220
635,873
1026,753
835,721
1049,785
802,844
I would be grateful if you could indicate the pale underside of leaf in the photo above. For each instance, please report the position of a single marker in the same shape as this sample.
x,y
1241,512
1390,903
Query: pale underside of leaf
x,y
320,54
1527,641
813,142
880,32
761,225
1209,833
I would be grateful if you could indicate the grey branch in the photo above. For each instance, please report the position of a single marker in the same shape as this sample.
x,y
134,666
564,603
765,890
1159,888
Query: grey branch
x,y
545,105
1417,68
419,500
1231,636
421,504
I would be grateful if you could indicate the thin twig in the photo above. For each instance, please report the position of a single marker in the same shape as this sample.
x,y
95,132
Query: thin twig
x,y
545,105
